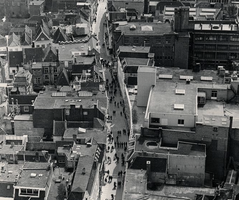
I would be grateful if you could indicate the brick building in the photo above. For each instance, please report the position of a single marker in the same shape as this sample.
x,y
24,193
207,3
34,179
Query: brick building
x,y
169,48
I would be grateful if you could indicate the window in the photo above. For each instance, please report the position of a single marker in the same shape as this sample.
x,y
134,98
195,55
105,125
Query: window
x,y
210,47
13,71
198,38
126,40
209,55
234,38
47,77
155,120
85,113
180,122
55,70
26,108
234,48
37,80
214,94
29,192
222,38
211,38
222,47
46,70
215,129
8,187
136,40
158,40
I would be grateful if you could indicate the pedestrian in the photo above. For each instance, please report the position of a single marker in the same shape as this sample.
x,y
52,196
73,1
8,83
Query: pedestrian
x,y
108,148
106,180
115,185
120,114
112,196
115,144
125,149
117,138
112,149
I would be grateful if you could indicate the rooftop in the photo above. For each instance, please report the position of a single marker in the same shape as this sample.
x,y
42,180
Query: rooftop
x,y
9,172
36,2
10,149
136,61
136,181
175,73
86,60
136,49
51,100
143,28
175,103
183,148
34,174
212,113
216,27
98,135
196,13
81,180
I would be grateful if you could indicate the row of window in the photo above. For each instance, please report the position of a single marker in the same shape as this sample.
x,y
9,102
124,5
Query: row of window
x,y
136,40
157,121
32,192
218,47
216,38
37,80
164,57
219,56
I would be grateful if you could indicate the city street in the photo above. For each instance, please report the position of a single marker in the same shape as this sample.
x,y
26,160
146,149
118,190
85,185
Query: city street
x,y
115,157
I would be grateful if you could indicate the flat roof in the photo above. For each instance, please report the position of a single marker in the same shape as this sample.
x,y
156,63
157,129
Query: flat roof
x,y
136,188
40,180
98,135
47,101
9,149
163,98
137,49
212,114
11,171
66,50
143,28
176,73
36,2
136,61
183,148
24,117
216,27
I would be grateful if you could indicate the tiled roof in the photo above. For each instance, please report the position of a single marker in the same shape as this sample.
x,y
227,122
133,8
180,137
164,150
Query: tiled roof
x,y
13,40
33,54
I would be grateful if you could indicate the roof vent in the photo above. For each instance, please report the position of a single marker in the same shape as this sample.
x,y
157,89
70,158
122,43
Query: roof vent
x,y
132,27
33,175
178,106
180,91
40,175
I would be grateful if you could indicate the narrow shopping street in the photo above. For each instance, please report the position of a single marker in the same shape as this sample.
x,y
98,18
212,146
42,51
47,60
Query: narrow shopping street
x,y
112,187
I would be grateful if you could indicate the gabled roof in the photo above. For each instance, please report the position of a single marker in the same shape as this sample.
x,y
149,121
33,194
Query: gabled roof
x,y
63,78
3,41
33,55
50,54
15,58
59,36
42,35
13,40
27,37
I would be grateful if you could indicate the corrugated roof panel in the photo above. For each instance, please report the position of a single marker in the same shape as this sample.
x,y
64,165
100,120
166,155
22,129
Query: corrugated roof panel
x,y
182,77
206,78
165,76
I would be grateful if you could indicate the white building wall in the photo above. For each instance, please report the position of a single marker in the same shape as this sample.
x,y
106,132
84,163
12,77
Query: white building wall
x,y
145,81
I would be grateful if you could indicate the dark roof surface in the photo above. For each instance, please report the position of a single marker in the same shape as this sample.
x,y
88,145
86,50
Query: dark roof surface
x,y
81,180
15,58
33,54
